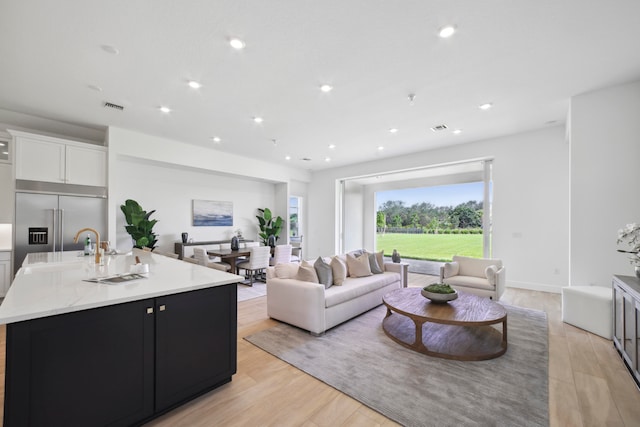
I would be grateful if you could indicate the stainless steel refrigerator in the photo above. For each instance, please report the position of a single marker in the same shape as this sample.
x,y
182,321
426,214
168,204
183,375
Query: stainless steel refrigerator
x,y
49,222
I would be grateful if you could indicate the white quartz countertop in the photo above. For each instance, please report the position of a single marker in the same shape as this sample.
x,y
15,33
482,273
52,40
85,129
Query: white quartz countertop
x,y
55,283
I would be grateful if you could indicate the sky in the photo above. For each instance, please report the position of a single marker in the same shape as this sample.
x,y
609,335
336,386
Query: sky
x,y
445,195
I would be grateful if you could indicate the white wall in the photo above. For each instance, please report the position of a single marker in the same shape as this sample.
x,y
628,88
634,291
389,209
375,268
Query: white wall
x,y
171,191
605,175
167,175
354,209
530,209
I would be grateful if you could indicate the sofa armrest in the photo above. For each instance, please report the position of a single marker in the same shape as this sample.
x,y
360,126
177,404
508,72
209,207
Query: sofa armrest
x,y
297,302
401,268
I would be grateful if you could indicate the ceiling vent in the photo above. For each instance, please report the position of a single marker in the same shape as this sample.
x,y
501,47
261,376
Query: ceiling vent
x,y
439,128
114,106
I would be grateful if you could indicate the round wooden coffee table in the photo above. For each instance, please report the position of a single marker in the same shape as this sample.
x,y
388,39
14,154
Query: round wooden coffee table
x,y
459,329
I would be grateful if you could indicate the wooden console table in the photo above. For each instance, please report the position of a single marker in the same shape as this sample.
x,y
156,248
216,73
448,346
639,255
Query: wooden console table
x,y
178,247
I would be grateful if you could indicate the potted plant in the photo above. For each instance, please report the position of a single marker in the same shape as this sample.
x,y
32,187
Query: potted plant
x,y
140,227
269,226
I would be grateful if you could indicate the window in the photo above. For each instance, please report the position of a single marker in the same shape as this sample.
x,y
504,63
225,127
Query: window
x,y
295,209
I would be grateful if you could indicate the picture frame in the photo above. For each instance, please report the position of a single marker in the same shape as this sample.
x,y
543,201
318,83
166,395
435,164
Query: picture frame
x,y
210,213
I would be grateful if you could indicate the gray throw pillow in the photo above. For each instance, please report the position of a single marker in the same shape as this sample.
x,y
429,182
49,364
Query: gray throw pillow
x,y
324,271
373,263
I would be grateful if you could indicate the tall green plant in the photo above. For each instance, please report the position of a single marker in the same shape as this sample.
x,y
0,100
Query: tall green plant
x,y
269,226
140,227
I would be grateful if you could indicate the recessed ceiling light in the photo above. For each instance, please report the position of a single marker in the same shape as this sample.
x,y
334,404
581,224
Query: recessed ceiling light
x,y
457,131
258,119
216,139
327,159
447,31
237,43
485,106
2,144
380,148
95,87
287,157
332,146
110,49
5,152
393,130
165,109
193,84
326,88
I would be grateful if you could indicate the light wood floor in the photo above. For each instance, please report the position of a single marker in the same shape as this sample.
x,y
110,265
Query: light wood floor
x,y
588,384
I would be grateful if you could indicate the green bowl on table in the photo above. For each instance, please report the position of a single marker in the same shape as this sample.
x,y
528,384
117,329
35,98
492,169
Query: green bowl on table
x,y
439,293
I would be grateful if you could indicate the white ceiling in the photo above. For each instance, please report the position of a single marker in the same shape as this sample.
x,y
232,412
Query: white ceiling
x,y
526,57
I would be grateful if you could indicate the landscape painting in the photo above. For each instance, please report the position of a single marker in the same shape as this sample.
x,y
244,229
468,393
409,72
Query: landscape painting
x,y
212,213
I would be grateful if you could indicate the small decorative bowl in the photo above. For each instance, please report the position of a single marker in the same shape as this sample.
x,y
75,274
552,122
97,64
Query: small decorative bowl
x,y
439,298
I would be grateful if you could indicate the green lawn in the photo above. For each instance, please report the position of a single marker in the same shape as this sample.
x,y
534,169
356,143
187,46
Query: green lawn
x,y
435,247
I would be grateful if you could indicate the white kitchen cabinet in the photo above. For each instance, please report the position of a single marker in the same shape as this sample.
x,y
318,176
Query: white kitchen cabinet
x,y
5,272
48,159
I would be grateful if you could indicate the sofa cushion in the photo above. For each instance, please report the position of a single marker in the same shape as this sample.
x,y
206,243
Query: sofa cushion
x,y
339,270
324,272
354,287
358,266
373,264
470,281
286,270
475,266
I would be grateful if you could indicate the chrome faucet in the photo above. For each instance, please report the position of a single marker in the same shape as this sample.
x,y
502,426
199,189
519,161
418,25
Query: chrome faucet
x,y
97,250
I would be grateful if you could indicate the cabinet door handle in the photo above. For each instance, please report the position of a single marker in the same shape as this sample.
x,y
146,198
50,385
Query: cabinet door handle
x,y
149,310
163,307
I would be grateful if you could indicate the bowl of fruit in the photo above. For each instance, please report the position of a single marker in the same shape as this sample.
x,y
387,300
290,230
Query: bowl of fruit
x,y
439,293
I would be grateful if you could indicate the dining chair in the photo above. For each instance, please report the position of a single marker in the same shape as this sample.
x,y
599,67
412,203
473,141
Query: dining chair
x,y
296,253
257,262
281,255
200,254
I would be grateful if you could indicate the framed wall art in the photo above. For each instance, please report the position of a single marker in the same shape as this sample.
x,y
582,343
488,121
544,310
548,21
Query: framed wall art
x,y
208,213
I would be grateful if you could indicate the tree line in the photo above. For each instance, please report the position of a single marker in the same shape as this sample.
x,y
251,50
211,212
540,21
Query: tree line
x,y
428,217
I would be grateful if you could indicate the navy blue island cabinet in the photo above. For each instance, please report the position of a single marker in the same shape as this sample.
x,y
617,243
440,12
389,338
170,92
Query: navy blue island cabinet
x,y
120,365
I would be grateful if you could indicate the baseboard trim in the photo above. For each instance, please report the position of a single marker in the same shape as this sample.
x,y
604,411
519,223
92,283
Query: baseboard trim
x,y
535,287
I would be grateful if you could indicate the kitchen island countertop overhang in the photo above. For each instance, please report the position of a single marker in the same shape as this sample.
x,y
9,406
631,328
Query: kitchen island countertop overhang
x,y
49,284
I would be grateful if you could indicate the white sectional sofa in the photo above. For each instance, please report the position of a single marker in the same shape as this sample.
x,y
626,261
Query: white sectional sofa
x,y
315,308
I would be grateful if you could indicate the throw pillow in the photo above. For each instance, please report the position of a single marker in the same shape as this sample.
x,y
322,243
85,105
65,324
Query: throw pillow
x,y
373,264
286,271
358,266
451,269
380,259
324,272
339,270
490,272
307,273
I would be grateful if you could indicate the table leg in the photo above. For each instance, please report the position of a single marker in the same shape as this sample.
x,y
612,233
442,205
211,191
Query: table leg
x,y
418,344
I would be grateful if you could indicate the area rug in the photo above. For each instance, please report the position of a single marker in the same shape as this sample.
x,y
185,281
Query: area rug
x,y
413,389
246,292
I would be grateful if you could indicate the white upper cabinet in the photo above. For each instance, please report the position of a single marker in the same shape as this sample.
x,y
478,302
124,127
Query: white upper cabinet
x,y
42,158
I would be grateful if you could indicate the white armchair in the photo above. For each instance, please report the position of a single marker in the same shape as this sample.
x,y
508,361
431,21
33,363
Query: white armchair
x,y
479,276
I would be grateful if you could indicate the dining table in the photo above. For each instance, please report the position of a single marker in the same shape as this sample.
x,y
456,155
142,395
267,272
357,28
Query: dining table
x,y
230,256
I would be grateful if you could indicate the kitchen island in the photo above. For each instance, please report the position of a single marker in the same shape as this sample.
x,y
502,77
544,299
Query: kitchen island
x,y
88,353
